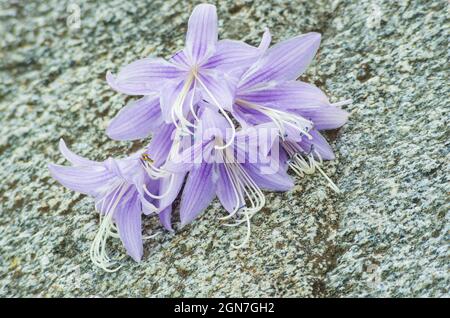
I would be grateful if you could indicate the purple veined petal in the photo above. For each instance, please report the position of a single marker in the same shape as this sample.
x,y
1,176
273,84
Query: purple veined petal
x,y
274,178
198,193
143,77
165,218
285,95
188,158
254,142
128,220
216,90
251,117
90,180
170,189
319,143
325,117
160,145
136,120
181,60
169,94
283,157
284,61
232,54
226,191
201,37
73,158
212,124
292,133
248,117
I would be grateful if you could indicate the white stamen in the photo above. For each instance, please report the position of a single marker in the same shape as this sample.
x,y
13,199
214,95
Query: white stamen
x,y
154,196
107,229
191,103
244,188
282,119
151,236
177,109
307,164
224,113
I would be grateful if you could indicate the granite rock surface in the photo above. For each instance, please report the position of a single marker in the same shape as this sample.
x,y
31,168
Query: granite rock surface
x,y
386,234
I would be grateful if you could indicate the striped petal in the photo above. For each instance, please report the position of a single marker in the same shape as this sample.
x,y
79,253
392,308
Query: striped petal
x,y
165,218
74,159
143,77
319,144
226,191
129,224
198,193
285,61
325,117
201,37
136,120
89,180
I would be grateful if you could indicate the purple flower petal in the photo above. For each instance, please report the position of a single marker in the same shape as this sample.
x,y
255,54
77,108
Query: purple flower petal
x,y
319,143
286,95
136,120
325,117
129,224
225,190
160,145
201,36
168,96
165,217
85,179
191,156
285,61
216,90
143,77
198,193
232,54
170,189
274,178
74,159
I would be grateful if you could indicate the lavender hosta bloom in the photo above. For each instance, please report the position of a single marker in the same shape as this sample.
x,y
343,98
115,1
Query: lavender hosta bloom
x,y
200,70
117,187
268,92
228,172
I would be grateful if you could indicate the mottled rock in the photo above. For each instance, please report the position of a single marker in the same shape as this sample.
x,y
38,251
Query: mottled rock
x,y
387,233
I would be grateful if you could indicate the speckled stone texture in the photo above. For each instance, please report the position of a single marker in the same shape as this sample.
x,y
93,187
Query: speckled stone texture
x,y
387,234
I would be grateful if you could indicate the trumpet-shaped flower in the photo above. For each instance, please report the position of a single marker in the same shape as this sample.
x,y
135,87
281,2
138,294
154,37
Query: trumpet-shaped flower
x,y
202,70
117,187
236,174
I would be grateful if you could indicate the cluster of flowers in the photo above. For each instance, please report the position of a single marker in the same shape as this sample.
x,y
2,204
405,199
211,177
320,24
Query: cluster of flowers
x,y
226,119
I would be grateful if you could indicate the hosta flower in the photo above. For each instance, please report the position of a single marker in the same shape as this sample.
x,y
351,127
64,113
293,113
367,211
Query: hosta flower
x,y
199,71
117,187
232,173
268,92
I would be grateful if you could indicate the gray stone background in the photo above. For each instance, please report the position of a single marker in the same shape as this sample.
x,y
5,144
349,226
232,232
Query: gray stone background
x,y
387,234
